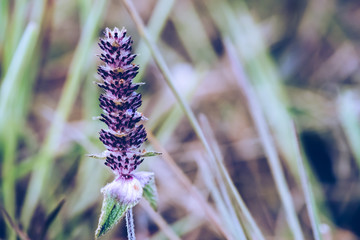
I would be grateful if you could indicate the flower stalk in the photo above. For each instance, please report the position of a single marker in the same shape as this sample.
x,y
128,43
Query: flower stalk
x,y
125,133
130,225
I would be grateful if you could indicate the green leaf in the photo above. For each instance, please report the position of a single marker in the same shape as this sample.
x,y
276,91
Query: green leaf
x,y
101,156
150,194
150,154
111,213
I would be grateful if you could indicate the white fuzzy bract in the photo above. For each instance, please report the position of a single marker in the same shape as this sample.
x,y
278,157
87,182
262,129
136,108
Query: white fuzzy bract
x,y
126,190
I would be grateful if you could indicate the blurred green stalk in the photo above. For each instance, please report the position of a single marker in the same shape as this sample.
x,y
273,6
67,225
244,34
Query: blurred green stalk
x,y
9,107
14,31
155,26
16,88
187,22
4,21
42,166
19,61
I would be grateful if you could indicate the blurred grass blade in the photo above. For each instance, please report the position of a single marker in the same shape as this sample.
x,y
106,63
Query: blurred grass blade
x,y
348,105
20,59
8,105
51,218
208,210
224,179
84,9
43,162
15,227
156,24
225,208
14,31
167,125
15,93
4,22
91,176
187,22
38,10
266,140
236,22
309,197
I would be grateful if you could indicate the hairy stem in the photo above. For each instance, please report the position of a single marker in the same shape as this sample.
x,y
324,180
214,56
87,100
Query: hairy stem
x,y
130,224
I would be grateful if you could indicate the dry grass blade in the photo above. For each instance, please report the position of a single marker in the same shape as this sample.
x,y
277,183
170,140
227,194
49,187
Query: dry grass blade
x,y
209,211
225,180
265,137
221,199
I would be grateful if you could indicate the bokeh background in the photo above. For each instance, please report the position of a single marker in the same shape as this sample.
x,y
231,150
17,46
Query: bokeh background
x,y
242,66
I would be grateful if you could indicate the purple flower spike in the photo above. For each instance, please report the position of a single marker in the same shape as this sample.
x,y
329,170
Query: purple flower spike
x,y
125,133
120,102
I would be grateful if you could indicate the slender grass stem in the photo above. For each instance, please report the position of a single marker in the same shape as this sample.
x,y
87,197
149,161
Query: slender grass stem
x,y
226,180
221,199
130,225
208,210
267,142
